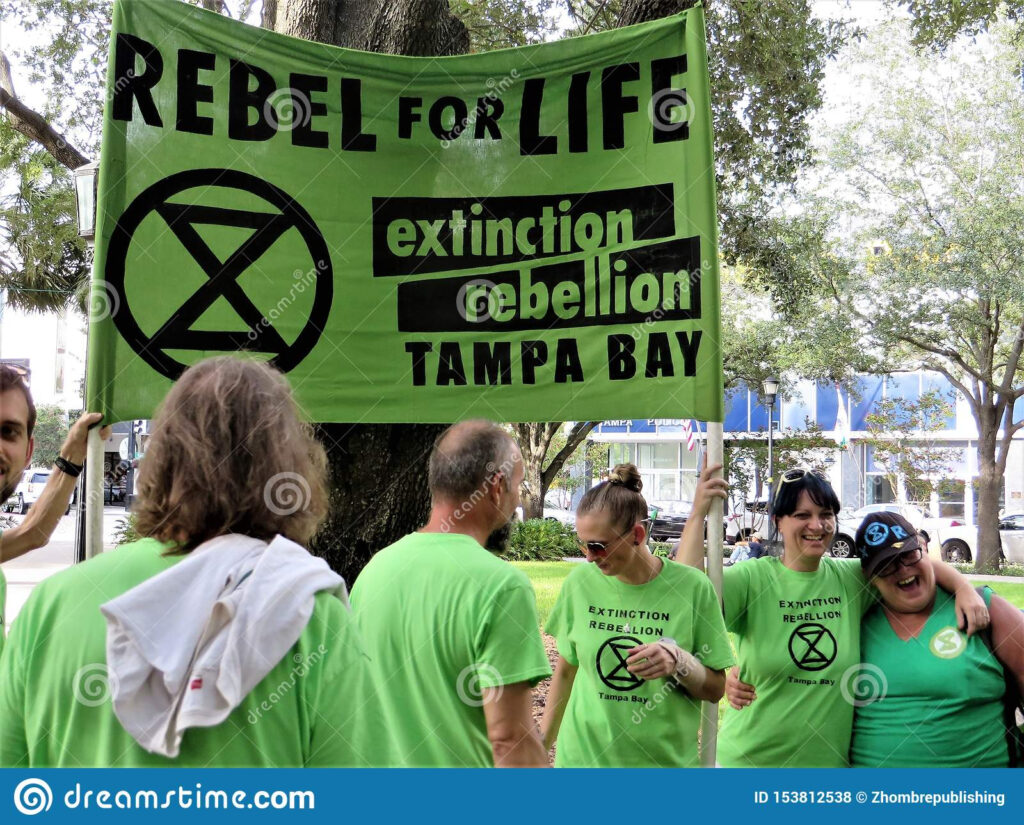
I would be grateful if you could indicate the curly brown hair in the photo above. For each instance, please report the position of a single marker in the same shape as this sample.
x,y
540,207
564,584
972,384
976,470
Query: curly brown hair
x,y
230,454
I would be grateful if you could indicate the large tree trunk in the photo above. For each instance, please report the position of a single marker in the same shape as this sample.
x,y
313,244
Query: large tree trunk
x,y
990,479
378,473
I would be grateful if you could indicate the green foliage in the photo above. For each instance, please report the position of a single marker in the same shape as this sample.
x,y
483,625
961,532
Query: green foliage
x,y
49,434
124,530
746,459
502,24
659,548
540,540
938,23
902,435
43,260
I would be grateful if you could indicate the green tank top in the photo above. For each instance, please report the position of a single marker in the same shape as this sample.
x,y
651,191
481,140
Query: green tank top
x,y
931,701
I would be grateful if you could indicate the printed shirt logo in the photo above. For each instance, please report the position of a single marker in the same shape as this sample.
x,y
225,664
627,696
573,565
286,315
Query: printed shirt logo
x,y
812,646
611,663
948,643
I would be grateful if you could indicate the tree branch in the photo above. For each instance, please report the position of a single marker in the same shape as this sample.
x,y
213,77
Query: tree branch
x,y
579,432
33,125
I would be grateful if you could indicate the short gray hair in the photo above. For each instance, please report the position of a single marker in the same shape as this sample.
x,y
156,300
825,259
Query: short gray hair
x,y
466,455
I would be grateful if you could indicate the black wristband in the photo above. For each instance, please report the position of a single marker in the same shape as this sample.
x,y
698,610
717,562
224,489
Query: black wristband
x,y
66,467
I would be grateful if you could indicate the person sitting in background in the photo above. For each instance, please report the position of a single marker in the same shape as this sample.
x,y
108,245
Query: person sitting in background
x,y
926,694
17,423
215,641
755,548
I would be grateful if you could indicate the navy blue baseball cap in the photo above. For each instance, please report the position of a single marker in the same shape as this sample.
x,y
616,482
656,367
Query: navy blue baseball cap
x,y
881,537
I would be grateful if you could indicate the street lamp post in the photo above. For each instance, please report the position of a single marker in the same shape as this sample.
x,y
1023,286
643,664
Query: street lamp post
x,y
770,386
91,480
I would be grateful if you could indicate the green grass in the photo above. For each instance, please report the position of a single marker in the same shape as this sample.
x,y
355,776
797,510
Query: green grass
x,y
1013,592
547,578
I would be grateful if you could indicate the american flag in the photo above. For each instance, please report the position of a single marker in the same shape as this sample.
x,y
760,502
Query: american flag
x,y
691,439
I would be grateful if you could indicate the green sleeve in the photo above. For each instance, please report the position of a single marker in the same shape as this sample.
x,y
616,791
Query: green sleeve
x,y
560,624
710,638
509,647
735,593
3,609
852,574
332,655
13,741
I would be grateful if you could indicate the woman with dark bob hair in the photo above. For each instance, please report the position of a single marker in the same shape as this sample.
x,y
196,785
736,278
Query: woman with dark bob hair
x,y
640,643
216,640
797,623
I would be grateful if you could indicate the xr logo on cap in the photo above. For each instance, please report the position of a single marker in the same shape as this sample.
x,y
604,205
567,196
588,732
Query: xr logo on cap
x,y
611,663
812,646
276,214
876,534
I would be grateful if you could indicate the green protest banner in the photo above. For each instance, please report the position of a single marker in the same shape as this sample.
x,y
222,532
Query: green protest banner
x,y
526,234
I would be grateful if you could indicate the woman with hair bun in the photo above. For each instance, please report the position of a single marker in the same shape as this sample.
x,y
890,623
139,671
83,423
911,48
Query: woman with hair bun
x,y
641,642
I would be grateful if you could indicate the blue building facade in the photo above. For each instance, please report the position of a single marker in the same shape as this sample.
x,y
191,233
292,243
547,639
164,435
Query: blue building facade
x,y
659,449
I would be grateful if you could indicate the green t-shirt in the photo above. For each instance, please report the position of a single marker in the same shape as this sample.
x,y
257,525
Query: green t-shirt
x,y
55,708
797,634
443,619
932,701
3,609
615,719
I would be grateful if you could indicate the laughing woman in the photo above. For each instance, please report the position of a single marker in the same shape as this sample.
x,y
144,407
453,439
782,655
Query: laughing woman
x,y
640,642
797,622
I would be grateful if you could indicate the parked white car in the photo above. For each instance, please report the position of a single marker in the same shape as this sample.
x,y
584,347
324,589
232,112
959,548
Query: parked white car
x,y
934,529
948,538
33,480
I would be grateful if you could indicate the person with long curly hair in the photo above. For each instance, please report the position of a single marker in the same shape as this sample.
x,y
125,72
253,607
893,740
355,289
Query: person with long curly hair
x,y
216,640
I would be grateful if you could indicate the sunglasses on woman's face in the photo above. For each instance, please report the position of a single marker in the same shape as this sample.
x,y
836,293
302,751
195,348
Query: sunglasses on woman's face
x,y
599,548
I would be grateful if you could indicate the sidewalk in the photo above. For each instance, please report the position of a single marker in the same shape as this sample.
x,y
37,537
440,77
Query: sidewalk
x,y
24,573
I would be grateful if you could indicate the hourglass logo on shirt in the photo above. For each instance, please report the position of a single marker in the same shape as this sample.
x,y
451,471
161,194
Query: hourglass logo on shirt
x,y
611,663
948,643
812,646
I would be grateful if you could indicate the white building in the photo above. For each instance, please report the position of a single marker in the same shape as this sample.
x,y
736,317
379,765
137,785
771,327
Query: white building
x,y
658,446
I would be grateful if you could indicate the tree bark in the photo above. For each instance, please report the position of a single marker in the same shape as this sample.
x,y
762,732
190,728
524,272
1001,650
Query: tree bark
x,y
378,472
33,125
641,11
989,481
